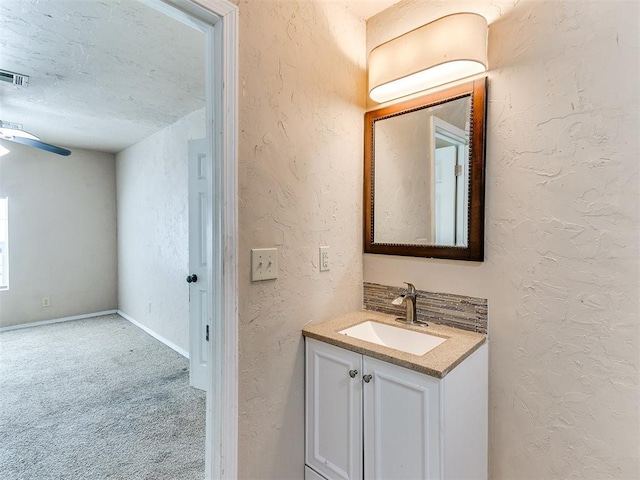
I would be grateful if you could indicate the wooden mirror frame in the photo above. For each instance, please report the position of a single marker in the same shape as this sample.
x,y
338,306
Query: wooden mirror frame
x,y
474,251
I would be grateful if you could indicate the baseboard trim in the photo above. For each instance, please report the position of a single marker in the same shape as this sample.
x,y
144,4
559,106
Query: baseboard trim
x,y
160,338
57,320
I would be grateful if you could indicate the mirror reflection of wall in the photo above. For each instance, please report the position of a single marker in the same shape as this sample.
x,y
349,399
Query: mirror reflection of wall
x,y
422,176
402,179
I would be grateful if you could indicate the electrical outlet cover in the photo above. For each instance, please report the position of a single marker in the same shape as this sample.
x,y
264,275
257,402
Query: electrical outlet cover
x,y
324,259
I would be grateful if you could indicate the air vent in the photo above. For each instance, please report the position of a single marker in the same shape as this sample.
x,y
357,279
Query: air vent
x,y
11,125
16,79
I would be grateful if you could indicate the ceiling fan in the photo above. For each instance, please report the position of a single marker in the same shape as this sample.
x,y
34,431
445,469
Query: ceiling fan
x,y
13,132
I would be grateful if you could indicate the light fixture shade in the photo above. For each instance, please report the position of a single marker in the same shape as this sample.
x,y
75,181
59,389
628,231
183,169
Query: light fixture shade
x,y
439,52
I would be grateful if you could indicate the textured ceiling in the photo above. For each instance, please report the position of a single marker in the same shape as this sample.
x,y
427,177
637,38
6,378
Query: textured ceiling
x,y
368,8
104,74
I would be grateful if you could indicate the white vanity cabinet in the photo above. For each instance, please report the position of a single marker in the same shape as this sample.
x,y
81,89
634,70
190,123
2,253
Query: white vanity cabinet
x,y
369,419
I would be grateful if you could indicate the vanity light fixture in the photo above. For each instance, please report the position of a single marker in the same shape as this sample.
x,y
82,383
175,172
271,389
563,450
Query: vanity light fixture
x,y
447,49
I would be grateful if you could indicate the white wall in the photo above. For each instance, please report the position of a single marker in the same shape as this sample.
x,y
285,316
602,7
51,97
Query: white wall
x,y
302,90
153,229
561,271
62,233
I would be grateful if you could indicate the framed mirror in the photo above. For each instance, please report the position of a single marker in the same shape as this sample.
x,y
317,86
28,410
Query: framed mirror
x,y
424,175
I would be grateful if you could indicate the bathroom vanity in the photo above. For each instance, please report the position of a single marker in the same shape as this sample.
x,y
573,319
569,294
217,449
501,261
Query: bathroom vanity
x,y
377,412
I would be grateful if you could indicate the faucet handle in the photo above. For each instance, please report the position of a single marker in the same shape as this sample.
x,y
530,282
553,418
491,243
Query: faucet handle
x,y
410,288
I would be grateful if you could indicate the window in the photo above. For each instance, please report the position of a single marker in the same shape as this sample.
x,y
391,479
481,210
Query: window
x,y
4,243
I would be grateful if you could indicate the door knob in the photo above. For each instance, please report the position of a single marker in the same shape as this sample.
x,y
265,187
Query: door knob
x,y
353,373
192,278
367,378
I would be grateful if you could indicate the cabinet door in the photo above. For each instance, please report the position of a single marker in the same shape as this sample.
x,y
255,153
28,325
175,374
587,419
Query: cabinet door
x,y
333,415
401,423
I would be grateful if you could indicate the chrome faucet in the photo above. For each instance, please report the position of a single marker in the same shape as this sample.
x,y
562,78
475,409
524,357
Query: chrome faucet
x,y
409,299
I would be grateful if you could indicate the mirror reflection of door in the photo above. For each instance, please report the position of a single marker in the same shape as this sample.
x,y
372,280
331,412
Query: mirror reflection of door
x,y
445,195
450,173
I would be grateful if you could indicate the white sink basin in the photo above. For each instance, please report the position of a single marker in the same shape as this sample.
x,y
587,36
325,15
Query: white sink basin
x,y
402,339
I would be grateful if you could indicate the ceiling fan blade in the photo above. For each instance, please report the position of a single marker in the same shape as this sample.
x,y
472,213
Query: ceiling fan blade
x,y
41,145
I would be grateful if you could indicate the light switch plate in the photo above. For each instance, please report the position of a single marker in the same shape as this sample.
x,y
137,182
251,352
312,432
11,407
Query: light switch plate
x,y
264,264
324,259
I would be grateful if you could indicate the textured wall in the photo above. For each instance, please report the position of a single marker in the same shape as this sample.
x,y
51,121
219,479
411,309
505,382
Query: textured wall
x,y
302,91
62,233
153,229
561,271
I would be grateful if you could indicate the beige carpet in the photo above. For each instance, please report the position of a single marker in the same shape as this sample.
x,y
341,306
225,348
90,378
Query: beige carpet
x,y
97,399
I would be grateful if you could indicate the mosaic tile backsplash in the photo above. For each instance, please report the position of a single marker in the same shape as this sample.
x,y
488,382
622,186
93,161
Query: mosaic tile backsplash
x,y
466,313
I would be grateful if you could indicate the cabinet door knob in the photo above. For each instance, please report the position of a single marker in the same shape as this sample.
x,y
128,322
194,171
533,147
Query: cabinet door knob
x,y
353,373
367,378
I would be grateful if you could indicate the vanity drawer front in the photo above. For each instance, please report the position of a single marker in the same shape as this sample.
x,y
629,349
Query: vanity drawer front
x,y
310,474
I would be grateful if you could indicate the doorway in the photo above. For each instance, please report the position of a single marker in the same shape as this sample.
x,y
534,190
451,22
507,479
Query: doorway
x,y
222,105
219,19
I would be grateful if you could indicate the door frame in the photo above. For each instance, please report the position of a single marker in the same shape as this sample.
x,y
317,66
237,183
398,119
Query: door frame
x,y
221,64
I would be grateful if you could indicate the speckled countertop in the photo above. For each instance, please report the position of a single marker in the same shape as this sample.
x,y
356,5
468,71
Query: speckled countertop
x,y
436,363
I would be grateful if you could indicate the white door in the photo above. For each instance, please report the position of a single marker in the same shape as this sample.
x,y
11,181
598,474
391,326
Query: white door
x,y
199,315
333,414
445,195
401,423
